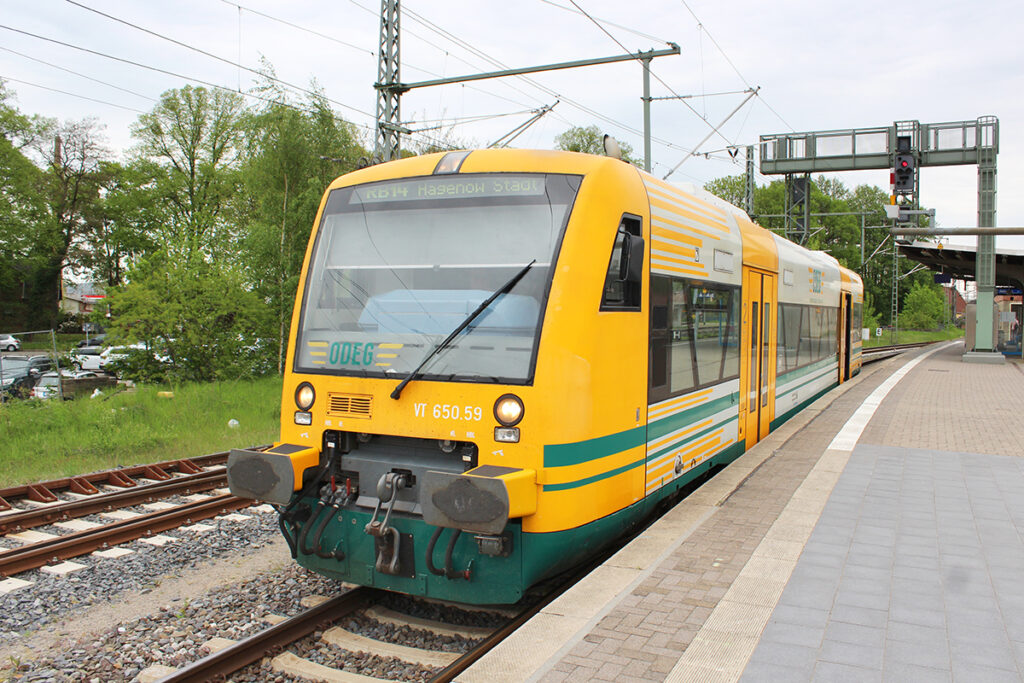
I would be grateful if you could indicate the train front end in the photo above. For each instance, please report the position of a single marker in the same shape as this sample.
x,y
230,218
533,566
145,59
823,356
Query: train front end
x,y
408,454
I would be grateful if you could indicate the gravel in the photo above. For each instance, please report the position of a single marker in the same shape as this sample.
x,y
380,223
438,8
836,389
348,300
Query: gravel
x,y
174,634
51,597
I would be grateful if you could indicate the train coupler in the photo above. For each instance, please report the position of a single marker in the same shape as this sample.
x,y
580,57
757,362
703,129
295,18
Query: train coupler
x,y
387,540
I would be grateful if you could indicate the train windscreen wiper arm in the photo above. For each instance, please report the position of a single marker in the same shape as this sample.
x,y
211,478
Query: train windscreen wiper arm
x,y
505,288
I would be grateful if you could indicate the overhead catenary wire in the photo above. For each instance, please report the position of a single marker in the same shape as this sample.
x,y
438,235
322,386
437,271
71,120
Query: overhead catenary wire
x,y
300,28
571,102
71,94
577,10
163,71
725,56
80,75
714,129
211,55
407,31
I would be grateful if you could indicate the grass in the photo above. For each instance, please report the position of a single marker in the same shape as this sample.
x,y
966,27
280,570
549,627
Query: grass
x,y
42,343
41,440
914,336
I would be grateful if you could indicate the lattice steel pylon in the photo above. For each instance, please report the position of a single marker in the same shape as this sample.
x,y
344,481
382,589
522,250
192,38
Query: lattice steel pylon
x,y
387,144
798,207
985,271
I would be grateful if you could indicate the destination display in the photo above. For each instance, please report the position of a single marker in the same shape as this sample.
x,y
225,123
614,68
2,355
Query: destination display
x,y
450,188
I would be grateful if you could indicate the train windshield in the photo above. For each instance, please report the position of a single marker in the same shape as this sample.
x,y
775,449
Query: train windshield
x,y
399,264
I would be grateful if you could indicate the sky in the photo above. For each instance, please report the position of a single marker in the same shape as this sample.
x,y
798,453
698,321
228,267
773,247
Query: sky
x,y
820,66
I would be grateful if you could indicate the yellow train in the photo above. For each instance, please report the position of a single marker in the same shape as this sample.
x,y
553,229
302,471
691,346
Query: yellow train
x,y
501,360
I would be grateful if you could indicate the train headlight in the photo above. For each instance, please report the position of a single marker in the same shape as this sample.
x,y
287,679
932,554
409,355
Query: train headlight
x,y
304,396
508,410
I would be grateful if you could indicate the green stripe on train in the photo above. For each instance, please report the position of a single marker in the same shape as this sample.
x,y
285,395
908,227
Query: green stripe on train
x,y
568,454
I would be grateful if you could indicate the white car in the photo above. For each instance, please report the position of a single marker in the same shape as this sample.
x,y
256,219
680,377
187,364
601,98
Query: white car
x,y
116,353
9,343
87,358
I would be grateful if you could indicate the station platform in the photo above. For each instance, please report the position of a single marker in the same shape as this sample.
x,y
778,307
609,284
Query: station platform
x,y
876,536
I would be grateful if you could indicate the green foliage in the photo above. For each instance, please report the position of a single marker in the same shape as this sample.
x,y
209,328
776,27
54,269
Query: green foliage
x,y
922,307
589,140
869,314
915,336
195,136
202,316
123,225
131,427
294,151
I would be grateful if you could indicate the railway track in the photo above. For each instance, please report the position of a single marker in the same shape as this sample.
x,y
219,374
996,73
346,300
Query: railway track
x,y
274,641
878,353
64,500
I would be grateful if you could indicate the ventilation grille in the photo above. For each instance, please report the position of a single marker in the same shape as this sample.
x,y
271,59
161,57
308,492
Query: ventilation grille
x,y
349,405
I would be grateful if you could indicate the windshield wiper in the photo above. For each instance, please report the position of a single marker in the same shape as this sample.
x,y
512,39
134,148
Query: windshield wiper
x,y
505,288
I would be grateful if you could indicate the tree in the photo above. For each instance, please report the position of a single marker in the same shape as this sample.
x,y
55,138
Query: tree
x,y
922,307
195,135
122,226
201,315
294,151
589,140
71,185
47,196
23,214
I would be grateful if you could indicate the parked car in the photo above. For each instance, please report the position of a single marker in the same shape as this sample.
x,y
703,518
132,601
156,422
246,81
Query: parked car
x,y
9,343
75,384
95,340
87,358
17,378
112,354
40,363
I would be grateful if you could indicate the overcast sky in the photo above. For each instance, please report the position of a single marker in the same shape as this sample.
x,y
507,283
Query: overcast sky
x,y
820,66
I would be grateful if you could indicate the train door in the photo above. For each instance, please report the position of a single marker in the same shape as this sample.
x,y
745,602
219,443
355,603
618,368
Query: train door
x,y
757,360
845,337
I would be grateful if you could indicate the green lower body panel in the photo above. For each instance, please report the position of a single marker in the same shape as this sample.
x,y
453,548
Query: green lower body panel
x,y
491,579
779,419
479,578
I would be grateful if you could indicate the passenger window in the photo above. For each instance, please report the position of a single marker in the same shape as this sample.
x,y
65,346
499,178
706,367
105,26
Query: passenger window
x,y
624,280
694,336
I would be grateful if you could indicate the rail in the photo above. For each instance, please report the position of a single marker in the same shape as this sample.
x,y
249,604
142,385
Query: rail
x,y
223,663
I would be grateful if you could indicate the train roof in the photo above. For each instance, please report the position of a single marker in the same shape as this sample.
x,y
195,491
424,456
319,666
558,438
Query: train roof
x,y
556,161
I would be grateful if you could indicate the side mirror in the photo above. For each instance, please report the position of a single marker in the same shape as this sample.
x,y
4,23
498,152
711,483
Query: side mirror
x,y
631,267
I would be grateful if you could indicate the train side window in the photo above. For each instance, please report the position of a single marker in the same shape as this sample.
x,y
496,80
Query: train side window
x,y
715,332
682,363
661,301
623,283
